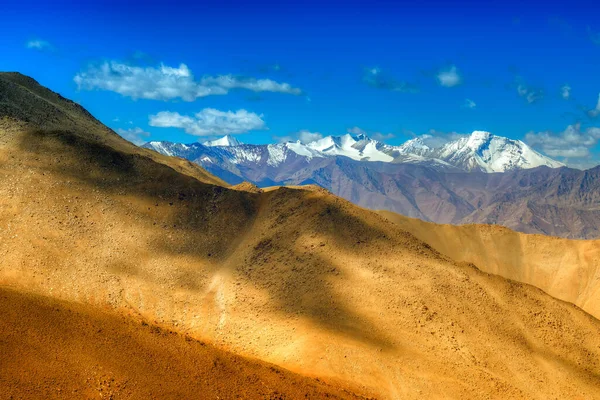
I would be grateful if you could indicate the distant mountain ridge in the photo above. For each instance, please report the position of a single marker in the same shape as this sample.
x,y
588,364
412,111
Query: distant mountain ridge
x,y
490,153
481,151
455,183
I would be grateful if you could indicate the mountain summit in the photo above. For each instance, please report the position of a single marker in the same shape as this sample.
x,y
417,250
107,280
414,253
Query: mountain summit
x,y
490,153
480,151
359,147
226,140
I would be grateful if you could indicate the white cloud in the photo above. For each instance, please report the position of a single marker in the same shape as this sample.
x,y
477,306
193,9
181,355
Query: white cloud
x,y
284,139
596,111
594,36
306,136
531,95
469,104
38,44
210,122
572,143
449,77
381,137
379,79
134,135
435,139
357,131
256,85
565,92
166,83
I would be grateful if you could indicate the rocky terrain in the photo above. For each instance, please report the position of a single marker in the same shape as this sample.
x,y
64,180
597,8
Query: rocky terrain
x,y
566,269
54,349
293,276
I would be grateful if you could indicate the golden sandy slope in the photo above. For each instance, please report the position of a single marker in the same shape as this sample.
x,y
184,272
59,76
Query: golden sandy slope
x,y
52,349
295,277
299,278
566,269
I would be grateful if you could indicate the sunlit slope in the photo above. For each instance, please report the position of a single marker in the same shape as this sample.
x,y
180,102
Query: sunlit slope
x,y
54,349
566,269
296,277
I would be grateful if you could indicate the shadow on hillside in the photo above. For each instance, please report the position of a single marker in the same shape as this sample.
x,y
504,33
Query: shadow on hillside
x,y
210,222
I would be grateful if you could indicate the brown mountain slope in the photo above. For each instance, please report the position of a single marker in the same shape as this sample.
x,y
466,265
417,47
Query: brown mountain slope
x,y
25,102
52,349
566,269
296,277
554,201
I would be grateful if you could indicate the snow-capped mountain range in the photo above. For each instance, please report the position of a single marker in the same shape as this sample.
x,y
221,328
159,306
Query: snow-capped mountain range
x,y
480,151
477,178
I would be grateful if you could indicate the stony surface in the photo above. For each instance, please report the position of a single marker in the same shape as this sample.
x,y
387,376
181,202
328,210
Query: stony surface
x,y
53,349
299,278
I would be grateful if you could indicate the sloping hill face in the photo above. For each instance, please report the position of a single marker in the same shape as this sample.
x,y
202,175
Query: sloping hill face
x,y
566,269
23,102
560,202
57,350
296,277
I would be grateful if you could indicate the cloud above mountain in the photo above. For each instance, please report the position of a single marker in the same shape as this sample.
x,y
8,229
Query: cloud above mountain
x,y
469,104
574,144
594,112
210,122
168,83
306,136
530,94
435,139
379,79
594,36
134,135
449,77
38,44
565,92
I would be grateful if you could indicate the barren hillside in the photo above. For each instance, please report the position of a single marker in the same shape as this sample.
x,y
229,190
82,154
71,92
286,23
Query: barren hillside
x,y
296,277
566,269
52,349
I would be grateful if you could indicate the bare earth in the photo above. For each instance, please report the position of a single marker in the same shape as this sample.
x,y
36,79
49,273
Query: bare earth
x,y
54,349
566,269
295,277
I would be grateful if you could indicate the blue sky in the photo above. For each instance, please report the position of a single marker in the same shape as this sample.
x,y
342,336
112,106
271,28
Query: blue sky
x,y
187,71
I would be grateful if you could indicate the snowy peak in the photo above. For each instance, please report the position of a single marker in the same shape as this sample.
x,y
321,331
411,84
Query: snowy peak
x,y
486,152
414,146
478,139
168,148
359,147
333,143
479,151
226,140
